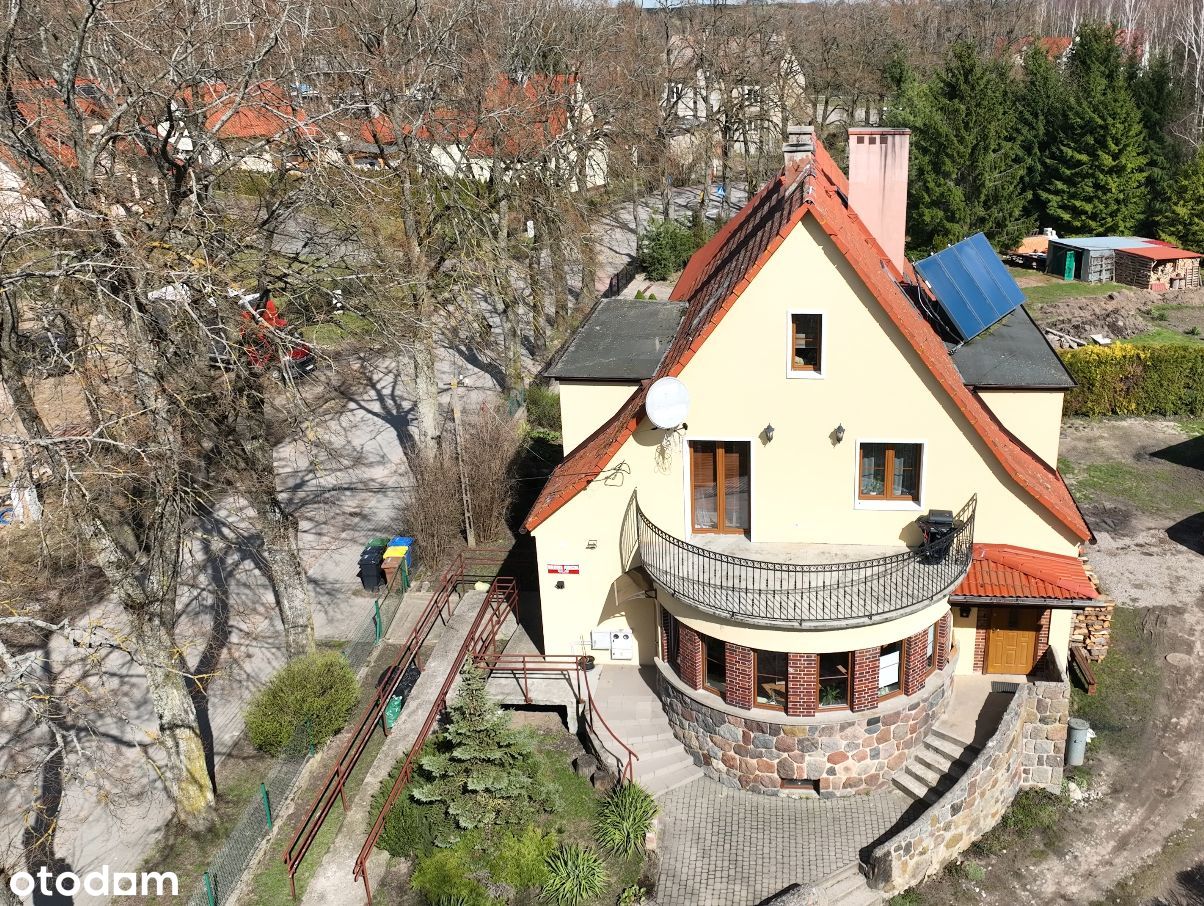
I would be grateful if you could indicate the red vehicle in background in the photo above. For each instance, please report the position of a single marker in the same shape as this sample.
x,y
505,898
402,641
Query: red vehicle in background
x,y
263,337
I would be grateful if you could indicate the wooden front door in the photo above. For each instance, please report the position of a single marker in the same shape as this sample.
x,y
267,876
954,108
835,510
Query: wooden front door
x,y
1012,639
720,486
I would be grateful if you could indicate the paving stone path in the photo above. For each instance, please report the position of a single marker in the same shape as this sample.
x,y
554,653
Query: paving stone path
x,y
722,847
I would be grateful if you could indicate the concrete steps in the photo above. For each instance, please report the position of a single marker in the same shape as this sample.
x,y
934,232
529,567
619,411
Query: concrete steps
x,y
848,887
934,766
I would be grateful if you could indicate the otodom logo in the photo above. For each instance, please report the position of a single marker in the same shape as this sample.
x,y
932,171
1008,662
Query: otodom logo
x,y
99,883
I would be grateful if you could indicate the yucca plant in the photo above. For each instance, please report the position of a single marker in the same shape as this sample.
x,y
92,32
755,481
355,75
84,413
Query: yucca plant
x,y
575,874
624,819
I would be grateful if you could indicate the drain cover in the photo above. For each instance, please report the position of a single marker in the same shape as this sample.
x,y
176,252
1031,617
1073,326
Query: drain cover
x,y
1178,659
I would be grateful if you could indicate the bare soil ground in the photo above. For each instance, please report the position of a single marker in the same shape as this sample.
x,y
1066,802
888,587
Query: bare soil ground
x,y
1138,838
1123,314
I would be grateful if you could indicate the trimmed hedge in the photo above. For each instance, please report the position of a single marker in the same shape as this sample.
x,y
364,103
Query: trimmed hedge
x,y
1122,379
318,688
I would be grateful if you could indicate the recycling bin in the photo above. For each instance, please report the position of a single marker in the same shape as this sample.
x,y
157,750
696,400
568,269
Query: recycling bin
x,y
371,572
1076,741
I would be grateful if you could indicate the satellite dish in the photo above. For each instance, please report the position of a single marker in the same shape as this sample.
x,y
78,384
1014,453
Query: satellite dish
x,y
667,403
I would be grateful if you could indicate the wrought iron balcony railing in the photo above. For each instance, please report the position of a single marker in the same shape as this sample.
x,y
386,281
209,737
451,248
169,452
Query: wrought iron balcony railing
x,y
802,594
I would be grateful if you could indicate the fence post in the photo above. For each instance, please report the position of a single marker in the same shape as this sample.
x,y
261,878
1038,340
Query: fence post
x,y
209,894
376,619
309,735
267,804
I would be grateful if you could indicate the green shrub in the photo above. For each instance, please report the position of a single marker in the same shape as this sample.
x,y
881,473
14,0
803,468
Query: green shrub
x,y
445,875
410,829
1123,379
543,408
665,247
625,819
575,874
632,896
521,860
320,689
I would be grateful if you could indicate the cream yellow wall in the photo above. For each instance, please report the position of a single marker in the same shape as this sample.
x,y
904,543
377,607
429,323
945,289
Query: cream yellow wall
x,y
1034,416
812,641
803,483
585,406
1060,624
964,630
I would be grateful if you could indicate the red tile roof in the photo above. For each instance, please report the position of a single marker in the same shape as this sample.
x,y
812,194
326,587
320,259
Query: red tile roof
x,y
1162,253
720,272
1004,571
260,112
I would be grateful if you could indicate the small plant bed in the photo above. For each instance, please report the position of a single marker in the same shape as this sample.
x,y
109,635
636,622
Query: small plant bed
x,y
495,814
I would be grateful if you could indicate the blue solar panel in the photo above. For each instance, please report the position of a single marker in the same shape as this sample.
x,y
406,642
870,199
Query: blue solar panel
x,y
971,285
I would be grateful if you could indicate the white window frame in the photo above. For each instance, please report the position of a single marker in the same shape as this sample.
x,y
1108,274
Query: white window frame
x,y
898,506
687,466
821,372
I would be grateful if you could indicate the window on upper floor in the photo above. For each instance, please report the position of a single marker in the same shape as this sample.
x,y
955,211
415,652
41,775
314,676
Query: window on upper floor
x,y
806,343
889,472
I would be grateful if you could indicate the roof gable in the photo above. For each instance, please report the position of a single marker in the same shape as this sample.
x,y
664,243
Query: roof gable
x,y
719,273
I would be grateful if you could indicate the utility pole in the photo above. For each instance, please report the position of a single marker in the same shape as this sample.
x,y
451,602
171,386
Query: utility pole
x,y
469,531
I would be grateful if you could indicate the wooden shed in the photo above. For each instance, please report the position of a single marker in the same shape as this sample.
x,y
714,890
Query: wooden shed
x,y
1158,267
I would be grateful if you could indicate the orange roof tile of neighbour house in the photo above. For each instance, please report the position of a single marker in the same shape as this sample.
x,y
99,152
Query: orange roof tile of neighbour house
x,y
261,112
718,274
1006,571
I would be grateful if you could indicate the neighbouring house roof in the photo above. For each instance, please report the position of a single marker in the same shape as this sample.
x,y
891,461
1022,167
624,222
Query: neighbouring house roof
x,y
1161,253
1011,354
40,114
619,340
1006,571
1101,243
511,119
721,270
263,111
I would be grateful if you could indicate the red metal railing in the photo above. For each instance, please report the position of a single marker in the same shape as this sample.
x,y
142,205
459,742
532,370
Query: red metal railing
x,y
500,602
524,665
467,566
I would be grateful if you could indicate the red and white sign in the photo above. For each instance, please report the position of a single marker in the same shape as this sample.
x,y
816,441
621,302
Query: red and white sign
x,y
564,569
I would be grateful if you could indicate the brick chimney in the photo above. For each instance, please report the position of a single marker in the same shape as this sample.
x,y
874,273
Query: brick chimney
x,y
799,144
878,184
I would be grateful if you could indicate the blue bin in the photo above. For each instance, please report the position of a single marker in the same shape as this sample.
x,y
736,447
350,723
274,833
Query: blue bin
x,y
409,543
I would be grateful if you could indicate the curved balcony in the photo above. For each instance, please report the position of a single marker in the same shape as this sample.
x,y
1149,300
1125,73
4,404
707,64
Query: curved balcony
x,y
814,595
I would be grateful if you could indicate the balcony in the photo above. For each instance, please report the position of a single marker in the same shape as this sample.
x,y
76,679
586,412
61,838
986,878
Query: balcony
x,y
817,595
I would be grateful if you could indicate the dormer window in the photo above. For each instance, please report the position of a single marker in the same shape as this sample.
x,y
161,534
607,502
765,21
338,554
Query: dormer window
x,y
806,344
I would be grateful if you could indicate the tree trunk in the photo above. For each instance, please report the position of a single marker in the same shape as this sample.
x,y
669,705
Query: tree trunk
x,y
539,312
186,771
561,303
282,552
426,383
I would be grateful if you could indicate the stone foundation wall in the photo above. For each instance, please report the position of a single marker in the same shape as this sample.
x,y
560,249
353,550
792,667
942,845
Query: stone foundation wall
x,y
1028,749
858,753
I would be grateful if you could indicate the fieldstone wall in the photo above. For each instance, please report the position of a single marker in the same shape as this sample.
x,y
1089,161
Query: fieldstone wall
x,y
1028,749
832,757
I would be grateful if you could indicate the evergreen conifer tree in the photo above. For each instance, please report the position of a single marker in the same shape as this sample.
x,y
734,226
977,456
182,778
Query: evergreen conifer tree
x,y
967,166
1184,220
479,768
1161,98
1095,180
1040,101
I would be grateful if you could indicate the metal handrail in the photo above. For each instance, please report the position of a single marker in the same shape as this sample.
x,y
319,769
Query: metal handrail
x,y
801,594
500,601
332,788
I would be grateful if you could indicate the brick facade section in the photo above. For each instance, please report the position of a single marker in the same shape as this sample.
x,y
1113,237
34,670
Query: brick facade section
x,y
944,638
1043,636
865,679
739,661
689,656
915,663
980,639
802,684
666,628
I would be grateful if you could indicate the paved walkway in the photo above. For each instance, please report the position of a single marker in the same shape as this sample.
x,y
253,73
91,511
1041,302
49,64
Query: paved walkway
x,y
722,847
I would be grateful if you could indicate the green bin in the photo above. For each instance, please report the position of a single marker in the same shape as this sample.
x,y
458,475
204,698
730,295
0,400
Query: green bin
x,y
393,710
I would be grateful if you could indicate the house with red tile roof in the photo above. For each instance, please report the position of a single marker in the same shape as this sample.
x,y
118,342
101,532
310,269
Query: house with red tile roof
x,y
535,125
795,495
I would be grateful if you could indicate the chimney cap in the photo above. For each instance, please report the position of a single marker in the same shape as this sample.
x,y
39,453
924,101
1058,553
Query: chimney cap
x,y
800,140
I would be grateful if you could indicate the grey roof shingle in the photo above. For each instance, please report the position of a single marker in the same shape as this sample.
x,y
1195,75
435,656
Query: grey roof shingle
x,y
619,340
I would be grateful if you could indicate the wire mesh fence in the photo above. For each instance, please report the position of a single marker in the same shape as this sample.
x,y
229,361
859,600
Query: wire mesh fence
x,y
227,867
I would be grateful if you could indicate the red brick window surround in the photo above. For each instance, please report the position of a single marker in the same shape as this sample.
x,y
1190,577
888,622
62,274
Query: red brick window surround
x,y
865,679
917,662
738,670
944,640
689,656
802,685
980,639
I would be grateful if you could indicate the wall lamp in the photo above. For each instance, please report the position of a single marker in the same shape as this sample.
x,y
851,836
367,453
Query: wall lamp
x,y
591,545
964,612
838,433
768,432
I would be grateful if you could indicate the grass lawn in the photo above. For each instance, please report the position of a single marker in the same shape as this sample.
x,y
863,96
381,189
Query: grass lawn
x,y
1161,336
1153,490
341,327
